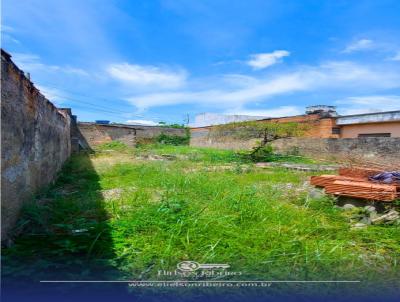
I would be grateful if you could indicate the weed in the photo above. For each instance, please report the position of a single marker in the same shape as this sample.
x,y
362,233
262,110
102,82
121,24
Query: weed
x,y
113,145
174,140
262,223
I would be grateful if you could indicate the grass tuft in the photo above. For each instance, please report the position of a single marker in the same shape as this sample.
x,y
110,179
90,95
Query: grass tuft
x,y
117,213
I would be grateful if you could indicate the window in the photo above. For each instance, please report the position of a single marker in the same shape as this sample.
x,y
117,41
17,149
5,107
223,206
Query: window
x,y
374,135
336,130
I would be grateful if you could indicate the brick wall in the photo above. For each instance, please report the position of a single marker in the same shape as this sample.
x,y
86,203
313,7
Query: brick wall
x,y
96,134
372,150
319,127
99,134
35,141
200,137
378,150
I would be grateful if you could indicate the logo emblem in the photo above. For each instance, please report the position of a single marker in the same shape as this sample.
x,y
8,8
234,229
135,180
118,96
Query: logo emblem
x,y
191,266
188,266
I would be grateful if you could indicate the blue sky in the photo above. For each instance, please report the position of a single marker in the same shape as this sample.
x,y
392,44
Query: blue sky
x,y
162,60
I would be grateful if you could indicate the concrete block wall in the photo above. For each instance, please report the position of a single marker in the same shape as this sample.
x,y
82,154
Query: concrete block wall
x,y
35,141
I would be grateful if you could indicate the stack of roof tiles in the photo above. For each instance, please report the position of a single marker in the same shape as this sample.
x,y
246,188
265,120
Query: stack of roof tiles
x,y
354,182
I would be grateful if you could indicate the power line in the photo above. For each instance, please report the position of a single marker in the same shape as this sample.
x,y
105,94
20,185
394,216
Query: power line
x,y
93,106
74,93
114,113
67,98
88,103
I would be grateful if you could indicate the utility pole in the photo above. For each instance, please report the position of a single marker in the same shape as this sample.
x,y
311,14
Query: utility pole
x,y
187,119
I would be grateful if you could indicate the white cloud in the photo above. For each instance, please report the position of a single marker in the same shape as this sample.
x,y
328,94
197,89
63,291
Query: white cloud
x,y
7,29
31,63
220,97
369,103
142,75
363,44
263,60
7,35
238,80
141,122
335,76
273,112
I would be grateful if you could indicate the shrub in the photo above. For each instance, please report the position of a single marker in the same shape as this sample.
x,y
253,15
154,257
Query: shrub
x,y
259,153
175,140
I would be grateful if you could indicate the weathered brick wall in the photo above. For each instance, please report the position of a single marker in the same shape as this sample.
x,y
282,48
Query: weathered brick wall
x,y
383,151
99,134
317,127
35,141
96,134
146,132
200,137
370,150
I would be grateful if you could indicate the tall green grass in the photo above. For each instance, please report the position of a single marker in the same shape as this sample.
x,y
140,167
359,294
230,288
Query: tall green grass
x,y
261,222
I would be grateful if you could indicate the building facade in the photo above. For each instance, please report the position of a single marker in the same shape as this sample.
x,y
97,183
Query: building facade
x,y
380,124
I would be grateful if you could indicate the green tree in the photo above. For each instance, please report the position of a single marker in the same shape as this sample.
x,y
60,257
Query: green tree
x,y
266,131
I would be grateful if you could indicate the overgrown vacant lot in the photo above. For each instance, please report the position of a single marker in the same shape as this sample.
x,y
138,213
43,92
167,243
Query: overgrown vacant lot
x,y
127,213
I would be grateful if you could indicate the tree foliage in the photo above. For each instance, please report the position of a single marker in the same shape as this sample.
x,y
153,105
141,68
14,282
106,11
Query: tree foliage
x,y
265,131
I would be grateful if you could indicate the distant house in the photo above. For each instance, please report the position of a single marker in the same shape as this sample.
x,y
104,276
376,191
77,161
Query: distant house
x,y
379,124
326,123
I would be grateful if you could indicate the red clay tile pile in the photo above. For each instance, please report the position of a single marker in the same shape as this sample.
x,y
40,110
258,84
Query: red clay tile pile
x,y
362,173
354,182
